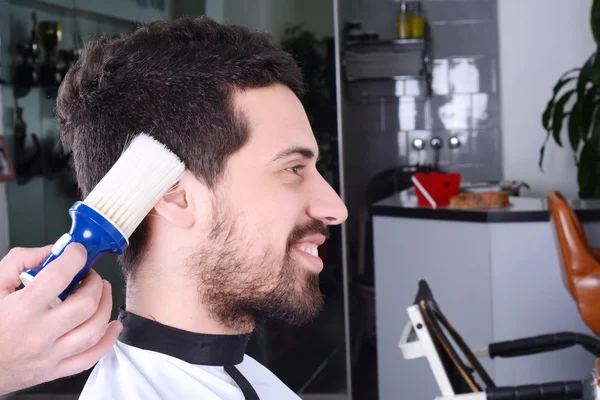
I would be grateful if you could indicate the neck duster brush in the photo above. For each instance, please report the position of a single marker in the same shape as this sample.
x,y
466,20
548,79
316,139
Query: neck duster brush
x,y
106,218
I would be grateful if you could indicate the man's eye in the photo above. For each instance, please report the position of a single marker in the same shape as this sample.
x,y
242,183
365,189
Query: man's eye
x,y
295,170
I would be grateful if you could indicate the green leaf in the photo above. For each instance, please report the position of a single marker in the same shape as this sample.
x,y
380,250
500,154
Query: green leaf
x,y
586,173
563,76
595,136
558,115
547,114
596,67
557,111
542,151
587,111
573,127
585,76
595,20
550,106
562,81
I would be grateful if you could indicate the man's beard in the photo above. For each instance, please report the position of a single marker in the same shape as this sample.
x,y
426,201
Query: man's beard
x,y
239,290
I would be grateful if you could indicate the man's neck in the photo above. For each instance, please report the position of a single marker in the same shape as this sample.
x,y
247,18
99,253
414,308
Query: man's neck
x,y
173,301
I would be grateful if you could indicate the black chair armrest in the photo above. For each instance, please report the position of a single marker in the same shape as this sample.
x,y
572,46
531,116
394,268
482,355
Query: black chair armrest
x,y
544,343
545,391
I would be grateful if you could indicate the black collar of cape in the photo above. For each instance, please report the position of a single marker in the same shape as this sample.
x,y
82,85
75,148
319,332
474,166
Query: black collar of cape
x,y
191,347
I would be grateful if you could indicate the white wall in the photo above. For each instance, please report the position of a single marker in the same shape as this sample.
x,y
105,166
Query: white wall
x,y
539,40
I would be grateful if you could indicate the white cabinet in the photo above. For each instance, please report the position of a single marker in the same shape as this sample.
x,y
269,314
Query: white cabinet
x,y
494,281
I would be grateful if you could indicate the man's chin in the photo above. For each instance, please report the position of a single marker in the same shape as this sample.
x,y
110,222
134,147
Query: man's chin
x,y
299,317
307,309
300,308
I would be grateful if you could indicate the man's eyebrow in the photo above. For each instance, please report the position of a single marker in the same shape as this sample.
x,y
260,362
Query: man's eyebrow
x,y
304,152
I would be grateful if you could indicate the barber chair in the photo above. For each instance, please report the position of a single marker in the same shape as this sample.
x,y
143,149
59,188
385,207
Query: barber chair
x,y
580,265
457,370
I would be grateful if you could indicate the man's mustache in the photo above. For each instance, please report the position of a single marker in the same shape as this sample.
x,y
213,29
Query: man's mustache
x,y
314,227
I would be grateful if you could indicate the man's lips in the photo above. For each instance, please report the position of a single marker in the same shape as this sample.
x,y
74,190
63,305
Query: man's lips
x,y
316,240
308,248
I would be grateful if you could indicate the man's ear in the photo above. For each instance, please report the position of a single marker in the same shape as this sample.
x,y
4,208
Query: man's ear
x,y
176,206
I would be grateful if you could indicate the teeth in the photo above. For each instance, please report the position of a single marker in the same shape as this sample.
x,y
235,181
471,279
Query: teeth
x,y
313,251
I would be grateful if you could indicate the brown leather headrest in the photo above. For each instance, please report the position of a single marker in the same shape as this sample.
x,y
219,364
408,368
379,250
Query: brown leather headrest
x,y
580,269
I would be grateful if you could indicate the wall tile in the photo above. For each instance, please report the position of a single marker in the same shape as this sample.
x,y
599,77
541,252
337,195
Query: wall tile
x,y
444,11
464,39
410,112
493,112
463,75
479,172
380,152
487,67
371,92
451,112
483,144
399,88
479,116
414,87
403,145
439,73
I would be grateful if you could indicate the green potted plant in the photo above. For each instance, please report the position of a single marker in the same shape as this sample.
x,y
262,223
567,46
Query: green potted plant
x,y
575,102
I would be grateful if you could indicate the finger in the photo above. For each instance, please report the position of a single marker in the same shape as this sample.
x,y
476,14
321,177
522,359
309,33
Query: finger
x,y
79,306
56,276
86,360
16,261
89,333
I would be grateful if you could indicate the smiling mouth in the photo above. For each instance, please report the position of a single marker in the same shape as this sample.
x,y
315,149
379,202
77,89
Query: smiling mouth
x,y
308,250
313,250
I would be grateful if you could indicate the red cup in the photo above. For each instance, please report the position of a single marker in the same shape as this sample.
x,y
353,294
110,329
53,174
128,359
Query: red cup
x,y
439,186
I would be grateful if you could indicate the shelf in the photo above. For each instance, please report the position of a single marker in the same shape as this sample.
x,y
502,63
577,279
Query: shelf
x,y
387,60
386,78
386,43
389,65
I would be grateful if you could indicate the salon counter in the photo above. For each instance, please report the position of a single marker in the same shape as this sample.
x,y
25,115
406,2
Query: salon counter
x,y
494,273
523,209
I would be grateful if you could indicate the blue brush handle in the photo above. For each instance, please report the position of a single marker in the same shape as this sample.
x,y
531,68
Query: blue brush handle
x,y
91,229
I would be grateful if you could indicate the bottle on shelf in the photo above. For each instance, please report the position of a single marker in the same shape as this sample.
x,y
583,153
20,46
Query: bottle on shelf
x,y
417,21
403,21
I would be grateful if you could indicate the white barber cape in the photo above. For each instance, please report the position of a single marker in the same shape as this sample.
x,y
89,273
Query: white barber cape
x,y
154,361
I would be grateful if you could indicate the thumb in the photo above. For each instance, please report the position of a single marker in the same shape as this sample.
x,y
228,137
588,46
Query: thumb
x,y
56,276
16,261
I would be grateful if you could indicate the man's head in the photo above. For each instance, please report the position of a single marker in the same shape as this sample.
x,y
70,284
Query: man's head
x,y
251,205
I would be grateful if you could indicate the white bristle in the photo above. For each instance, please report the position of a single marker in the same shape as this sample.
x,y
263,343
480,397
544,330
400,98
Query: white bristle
x,y
143,174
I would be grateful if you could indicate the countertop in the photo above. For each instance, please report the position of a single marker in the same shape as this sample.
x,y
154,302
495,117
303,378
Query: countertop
x,y
524,209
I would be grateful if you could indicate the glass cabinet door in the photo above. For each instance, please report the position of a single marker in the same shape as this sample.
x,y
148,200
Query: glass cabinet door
x,y
312,359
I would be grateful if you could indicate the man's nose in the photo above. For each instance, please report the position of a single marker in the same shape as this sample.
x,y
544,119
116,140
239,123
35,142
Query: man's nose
x,y
325,204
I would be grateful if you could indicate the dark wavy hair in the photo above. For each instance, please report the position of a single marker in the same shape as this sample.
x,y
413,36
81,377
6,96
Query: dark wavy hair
x,y
173,80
